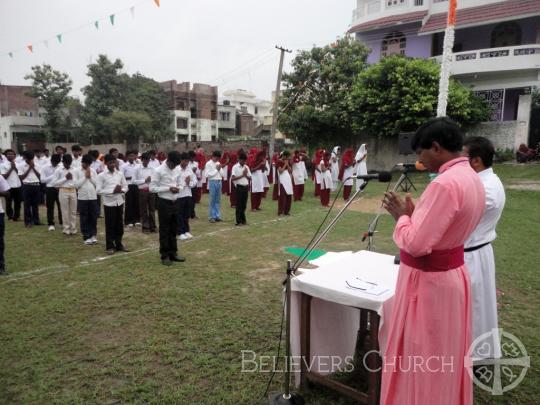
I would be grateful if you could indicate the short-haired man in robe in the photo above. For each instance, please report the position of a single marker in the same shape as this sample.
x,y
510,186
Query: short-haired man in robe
x,y
430,322
478,250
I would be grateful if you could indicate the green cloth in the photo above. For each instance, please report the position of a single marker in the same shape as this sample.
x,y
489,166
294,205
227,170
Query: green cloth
x,y
299,251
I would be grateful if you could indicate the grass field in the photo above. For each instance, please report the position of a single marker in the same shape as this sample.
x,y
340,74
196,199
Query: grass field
x,y
78,326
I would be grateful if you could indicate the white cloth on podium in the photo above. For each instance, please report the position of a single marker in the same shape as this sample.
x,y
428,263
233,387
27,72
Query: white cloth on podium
x,y
335,317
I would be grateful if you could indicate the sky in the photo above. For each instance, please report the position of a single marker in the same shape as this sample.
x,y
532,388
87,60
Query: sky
x,y
228,43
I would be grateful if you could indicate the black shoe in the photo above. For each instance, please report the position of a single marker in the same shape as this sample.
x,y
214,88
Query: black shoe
x,y
3,271
218,220
179,259
123,249
166,262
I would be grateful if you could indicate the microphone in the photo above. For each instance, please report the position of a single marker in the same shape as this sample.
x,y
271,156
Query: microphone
x,y
383,177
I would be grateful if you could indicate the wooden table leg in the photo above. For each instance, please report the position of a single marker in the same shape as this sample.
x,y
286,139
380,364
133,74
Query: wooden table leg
x,y
305,328
374,361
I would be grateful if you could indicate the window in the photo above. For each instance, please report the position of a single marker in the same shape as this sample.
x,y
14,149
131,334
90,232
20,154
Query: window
x,y
194,138
213,138
256,110
243,108
224,116
506,34
180,105
181,123
391,3
193,112
394,44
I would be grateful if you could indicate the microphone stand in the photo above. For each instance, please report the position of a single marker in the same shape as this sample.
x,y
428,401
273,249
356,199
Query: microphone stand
x,y
286,397
373,225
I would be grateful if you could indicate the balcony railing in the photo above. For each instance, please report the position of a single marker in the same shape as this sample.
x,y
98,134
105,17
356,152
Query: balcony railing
x,y
495,59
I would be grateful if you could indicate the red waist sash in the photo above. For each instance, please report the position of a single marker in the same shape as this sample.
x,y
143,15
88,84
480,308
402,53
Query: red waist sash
x,y
438,260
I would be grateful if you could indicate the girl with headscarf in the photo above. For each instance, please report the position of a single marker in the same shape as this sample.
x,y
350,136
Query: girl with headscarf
x,y
325,167
317,171
361,165
346,172
284,170
298,176
275,191
334,160
256,165
225,159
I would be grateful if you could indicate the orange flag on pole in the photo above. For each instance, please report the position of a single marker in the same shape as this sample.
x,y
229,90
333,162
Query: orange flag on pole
x,y
452,13
157,2
30,48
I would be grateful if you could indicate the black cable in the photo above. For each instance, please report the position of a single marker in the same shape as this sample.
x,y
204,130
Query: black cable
x,y
263,396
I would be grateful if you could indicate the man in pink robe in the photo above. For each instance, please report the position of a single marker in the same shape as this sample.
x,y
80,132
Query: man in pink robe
x,y
429,330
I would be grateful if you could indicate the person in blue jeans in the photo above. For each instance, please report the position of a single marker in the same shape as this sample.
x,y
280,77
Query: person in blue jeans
x,y
214,176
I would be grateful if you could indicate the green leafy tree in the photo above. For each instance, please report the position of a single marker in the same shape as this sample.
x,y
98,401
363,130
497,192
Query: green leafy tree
x,y
112,92
398,94
314,108
128,126
51,88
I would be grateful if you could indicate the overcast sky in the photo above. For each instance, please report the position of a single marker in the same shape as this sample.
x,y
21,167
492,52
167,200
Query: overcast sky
x,y
228,43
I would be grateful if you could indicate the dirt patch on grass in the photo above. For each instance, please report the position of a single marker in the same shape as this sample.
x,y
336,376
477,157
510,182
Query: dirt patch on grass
x,y
367,205
525,185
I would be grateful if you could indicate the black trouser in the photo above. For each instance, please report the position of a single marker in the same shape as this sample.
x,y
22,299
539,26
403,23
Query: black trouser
x,y
147,205
88,218
30,194
184,213
241,203
114,226
2,230
193,214
13,202
133,214
42,189
51,194
168,225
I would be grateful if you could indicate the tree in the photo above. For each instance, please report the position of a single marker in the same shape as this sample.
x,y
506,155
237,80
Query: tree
x,y
103,96
112,92
314,107
128,126
398,94
51,88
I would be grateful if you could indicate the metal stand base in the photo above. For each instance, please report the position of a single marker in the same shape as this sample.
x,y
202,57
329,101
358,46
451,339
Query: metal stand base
x,y
282,399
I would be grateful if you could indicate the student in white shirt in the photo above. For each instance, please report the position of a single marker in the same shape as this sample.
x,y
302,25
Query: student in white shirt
x,y
186,181
153,163
98,167
119,161
214,176
325,167
284,170
361,164
64,180
132,215
76,153
85,182
111,185
30,178
8,170
147,199
240,176
193,165
479,255
51,192
165,184
4,193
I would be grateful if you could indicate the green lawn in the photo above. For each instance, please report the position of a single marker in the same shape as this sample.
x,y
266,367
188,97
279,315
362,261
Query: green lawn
x,y
77,326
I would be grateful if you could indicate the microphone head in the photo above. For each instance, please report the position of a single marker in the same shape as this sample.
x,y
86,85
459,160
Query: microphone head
x,y
385,177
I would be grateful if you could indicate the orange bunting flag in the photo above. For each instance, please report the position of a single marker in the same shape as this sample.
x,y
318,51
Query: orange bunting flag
x,y
157,2
30,48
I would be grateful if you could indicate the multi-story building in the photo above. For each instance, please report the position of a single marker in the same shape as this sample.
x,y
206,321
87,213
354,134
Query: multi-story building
x,y
21,119
496,50
195,110
226,119
247,102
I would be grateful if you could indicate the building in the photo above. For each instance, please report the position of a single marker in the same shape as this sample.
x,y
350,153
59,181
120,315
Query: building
x,y
226,119
21,119
195,110
247,102
496,50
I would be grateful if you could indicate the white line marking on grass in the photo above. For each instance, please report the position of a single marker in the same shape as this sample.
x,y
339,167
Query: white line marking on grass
x,y
62,268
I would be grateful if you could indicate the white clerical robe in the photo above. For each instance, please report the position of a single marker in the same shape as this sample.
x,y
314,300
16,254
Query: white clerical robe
x,y
481,266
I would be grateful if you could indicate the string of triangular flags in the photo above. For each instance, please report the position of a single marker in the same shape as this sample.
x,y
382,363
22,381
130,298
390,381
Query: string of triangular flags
x,y
96,23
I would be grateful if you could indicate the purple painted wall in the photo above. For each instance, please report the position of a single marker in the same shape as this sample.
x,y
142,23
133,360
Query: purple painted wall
x,y
468,38
417,46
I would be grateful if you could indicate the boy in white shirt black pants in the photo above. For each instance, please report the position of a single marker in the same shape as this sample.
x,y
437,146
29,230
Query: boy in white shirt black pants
x,y
85,182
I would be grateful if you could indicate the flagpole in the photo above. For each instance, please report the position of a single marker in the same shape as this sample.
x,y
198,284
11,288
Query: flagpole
x,y
448,44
